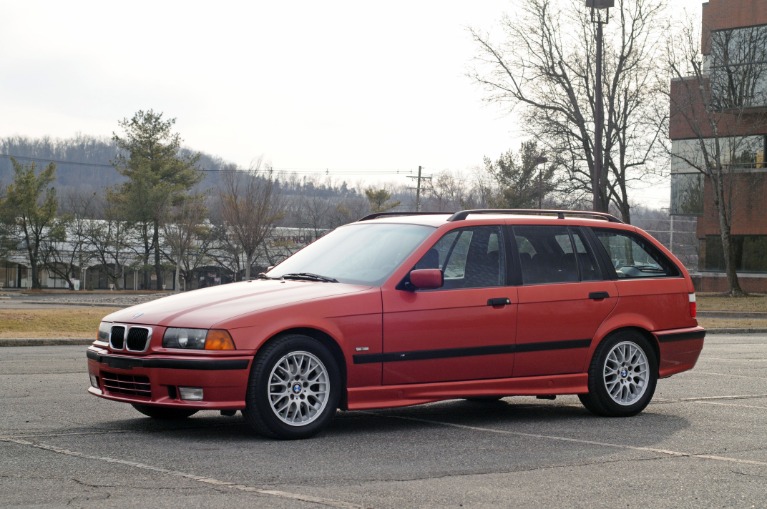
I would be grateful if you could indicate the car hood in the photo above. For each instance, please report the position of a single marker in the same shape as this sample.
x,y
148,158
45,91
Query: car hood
x,y
215,306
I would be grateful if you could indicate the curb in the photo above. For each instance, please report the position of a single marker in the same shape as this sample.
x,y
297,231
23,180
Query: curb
x,y
736,331
82,304
45,342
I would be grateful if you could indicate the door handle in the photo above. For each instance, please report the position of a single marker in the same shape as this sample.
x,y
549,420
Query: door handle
x,y
499,301
598,295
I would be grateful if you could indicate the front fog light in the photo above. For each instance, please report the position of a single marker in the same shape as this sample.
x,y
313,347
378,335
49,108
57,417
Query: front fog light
x,y
95,381
190,393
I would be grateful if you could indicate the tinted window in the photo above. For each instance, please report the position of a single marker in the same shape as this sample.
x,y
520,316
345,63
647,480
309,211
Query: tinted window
x,y
634,257
554,254
749,253
469,257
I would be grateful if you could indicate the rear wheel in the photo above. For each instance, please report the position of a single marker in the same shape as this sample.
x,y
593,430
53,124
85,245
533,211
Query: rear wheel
x,y
164,413
294,388
622,376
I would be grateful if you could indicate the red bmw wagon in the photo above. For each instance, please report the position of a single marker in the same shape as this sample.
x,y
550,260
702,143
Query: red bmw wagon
x,y
402,309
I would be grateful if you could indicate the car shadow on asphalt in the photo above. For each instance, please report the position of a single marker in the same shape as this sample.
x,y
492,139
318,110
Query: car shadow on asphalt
x,y
511,416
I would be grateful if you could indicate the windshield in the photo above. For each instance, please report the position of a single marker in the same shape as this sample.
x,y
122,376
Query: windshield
x,y
357,254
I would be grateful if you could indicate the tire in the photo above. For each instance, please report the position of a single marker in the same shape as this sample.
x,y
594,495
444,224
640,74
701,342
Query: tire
x,y
622,376
164,413
293,390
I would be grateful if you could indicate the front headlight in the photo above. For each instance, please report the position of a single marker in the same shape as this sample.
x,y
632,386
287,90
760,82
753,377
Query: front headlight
x,y
104,329
197,339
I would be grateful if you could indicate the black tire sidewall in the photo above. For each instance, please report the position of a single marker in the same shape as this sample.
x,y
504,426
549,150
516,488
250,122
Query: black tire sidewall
x,y
605,405
258,399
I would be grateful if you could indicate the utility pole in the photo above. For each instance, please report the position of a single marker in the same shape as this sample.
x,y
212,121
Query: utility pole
x,y
419,178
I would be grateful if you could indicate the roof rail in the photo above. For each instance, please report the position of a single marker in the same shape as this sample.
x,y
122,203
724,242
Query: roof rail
x,y
561,214
395,214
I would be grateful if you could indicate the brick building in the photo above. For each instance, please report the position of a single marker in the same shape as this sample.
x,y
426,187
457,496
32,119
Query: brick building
x,y
732,91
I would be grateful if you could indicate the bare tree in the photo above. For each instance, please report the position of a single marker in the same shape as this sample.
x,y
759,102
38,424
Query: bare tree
x,y
719,100
250,208
349,209
546,66
188,235
66,256
448,192
225,251
109,240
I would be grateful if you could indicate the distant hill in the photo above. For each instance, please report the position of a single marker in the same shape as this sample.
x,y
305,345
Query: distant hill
x,y
82,163
84,167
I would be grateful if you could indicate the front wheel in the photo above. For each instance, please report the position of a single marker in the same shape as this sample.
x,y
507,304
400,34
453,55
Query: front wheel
x,y
294,388
622,376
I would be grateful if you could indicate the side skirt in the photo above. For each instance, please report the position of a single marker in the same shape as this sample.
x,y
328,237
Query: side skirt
x,y
366,398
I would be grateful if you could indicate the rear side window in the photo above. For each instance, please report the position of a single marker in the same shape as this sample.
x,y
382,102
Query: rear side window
x,y
634,257
554,254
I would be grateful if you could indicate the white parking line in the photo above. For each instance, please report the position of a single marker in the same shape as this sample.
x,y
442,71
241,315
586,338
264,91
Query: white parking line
x,y
666,452
732,396
733,359
730,404
730,374
197,478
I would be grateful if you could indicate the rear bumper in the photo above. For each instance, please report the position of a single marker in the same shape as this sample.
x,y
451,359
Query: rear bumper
x,y
155,380
679,349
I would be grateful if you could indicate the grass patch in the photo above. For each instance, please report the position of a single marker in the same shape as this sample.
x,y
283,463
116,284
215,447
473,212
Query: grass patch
x,y
732,323
718,302
69,322
82,322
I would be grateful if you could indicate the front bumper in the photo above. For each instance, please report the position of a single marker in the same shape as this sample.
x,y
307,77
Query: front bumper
x,y
155,379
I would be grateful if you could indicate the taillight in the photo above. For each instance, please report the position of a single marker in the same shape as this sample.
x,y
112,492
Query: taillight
x,y
693,306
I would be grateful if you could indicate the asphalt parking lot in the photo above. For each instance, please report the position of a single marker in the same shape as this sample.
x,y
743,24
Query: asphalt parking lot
x,y
701,443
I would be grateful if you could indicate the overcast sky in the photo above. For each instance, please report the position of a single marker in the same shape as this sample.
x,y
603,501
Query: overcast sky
x,y
360,88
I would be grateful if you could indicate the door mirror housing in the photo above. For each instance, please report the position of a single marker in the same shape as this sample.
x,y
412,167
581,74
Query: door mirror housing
x,y
426,279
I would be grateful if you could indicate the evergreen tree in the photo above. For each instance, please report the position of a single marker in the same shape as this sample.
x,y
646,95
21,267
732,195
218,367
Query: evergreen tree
x,y
380,199
29,212
159,176
523,179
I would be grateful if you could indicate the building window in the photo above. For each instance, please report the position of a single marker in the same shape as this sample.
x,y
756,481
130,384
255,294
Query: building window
x,y
749,253
738,153
738,68
687,194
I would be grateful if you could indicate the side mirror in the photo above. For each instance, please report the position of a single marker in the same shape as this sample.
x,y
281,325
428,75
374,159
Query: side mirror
x,y
426,279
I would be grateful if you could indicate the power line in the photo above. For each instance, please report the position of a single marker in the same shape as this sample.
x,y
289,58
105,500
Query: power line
x,y
57,161
298,171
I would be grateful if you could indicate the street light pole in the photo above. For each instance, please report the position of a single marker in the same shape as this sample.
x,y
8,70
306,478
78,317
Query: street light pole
x,y
597,177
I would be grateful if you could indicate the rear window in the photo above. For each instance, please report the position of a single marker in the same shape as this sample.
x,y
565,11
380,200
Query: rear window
x,y
634,257
554,254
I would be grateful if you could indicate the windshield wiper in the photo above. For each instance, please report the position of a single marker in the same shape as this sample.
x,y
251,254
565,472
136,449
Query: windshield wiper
x,y
308,276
